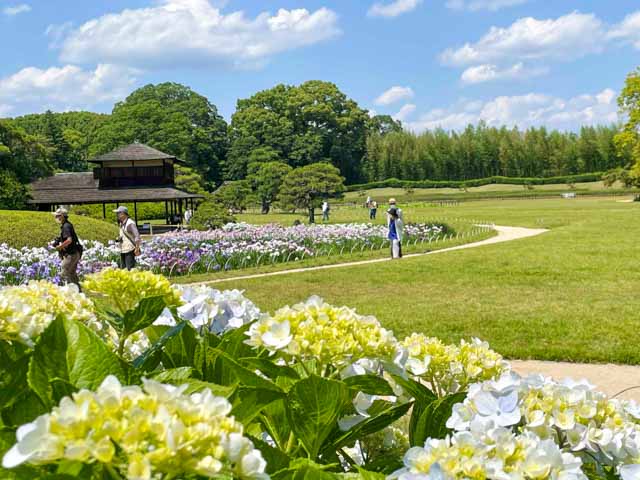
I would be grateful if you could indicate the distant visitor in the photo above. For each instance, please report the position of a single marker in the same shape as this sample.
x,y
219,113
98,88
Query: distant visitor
x,y
325,211
396,226
129,239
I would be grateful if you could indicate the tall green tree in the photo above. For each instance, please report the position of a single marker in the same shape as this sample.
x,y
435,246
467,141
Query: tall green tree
x,y
306,187
628,140
23,158
265,180
310,123
172,118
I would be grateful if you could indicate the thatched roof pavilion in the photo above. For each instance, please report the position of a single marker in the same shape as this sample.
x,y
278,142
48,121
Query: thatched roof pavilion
x,y
130,174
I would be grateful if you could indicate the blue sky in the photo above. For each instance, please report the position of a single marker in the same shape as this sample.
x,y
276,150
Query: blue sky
x,y
427,62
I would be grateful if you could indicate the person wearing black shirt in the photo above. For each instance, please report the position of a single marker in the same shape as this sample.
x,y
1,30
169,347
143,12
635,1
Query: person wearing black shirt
x,y
68,247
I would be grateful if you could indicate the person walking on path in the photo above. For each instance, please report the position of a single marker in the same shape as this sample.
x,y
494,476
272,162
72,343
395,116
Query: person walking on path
x,y
325,211
129,239
187,216
69,248
373,209
396,226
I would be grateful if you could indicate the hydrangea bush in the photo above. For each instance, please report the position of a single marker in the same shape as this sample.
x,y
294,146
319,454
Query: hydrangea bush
x,y
144,380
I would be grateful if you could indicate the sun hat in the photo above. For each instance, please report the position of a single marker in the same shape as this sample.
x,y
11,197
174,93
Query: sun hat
x,y
392,201
61,212
121,209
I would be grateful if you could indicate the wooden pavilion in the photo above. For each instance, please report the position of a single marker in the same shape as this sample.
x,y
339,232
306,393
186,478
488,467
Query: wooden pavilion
x,y
134,173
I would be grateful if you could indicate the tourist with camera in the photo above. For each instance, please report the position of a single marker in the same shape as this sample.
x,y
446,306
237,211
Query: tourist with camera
x,y
69,248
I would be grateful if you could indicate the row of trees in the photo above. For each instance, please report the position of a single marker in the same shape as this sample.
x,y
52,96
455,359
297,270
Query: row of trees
x,y
295,126
277,183
481,151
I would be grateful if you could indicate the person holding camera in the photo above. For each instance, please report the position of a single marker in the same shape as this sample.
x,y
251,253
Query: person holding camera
x,y
129,238
69,248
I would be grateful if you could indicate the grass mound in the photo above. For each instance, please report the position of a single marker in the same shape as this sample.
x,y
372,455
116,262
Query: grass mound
x,y
36,229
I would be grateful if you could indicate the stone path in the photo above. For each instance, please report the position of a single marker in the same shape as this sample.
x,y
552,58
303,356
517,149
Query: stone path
x,y
611,379
505,234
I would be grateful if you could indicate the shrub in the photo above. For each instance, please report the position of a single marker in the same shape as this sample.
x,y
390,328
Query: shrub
x,y
211,215
478,182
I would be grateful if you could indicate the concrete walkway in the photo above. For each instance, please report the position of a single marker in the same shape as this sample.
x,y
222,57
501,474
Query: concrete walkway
x,y
505,234
610,379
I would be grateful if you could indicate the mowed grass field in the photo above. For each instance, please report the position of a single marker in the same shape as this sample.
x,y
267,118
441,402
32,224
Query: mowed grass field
x,y
570,294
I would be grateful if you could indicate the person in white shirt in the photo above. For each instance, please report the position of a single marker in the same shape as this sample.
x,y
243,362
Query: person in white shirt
x,y
325,211
129,238
187,216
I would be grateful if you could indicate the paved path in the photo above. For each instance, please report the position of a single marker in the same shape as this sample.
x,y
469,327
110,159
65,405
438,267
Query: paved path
x,y
505,234
609,378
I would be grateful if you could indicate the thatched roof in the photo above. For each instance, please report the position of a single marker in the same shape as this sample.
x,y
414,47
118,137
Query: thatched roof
x,y
135,151
79,188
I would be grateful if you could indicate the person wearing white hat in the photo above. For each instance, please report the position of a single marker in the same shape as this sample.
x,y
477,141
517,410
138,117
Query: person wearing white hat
x,y
395,222
69,248
129,238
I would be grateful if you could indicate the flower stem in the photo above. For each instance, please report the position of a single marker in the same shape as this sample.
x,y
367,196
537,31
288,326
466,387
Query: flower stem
x,y
112,472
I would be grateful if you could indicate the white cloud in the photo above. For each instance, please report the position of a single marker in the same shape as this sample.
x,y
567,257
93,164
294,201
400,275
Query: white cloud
x,y
393,9
489,73
475,5
16,9
533,109
194,33
568,37
65,88
404,112
628,30
393,95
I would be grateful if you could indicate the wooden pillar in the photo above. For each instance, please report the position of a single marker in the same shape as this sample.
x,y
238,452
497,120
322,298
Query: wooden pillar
x,y
166,212
180,210
135,212
104,211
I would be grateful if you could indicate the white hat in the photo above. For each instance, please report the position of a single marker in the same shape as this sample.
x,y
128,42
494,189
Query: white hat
x,y
121,209
392,201
61,212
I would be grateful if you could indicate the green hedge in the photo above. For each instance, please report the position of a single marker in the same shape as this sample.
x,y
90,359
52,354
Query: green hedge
x,y
146,211
37,229
478,182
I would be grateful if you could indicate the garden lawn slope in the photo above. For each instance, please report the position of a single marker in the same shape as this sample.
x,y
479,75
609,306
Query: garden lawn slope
x,y
37,229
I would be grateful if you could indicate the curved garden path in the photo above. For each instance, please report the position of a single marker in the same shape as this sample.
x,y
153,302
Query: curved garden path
x,y
505,234
611,379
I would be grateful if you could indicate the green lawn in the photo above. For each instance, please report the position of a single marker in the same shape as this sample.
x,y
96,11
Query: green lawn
x,y
570,294
37,229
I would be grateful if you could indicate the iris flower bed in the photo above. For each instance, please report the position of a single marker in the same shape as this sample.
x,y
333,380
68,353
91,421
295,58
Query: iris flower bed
x,y
232,247
140,379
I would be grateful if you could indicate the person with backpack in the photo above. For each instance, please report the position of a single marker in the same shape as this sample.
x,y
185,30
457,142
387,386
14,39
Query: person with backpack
x,y
69,248
129,238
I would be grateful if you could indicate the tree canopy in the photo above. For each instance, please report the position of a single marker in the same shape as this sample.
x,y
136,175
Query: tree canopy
x,y
172,118
305,187
265,180
305,124
628,139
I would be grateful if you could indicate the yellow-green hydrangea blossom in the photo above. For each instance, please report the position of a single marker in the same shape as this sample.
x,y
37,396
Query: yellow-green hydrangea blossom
x,y
331,335
123,289
489,453
27,310
144,433
451,368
